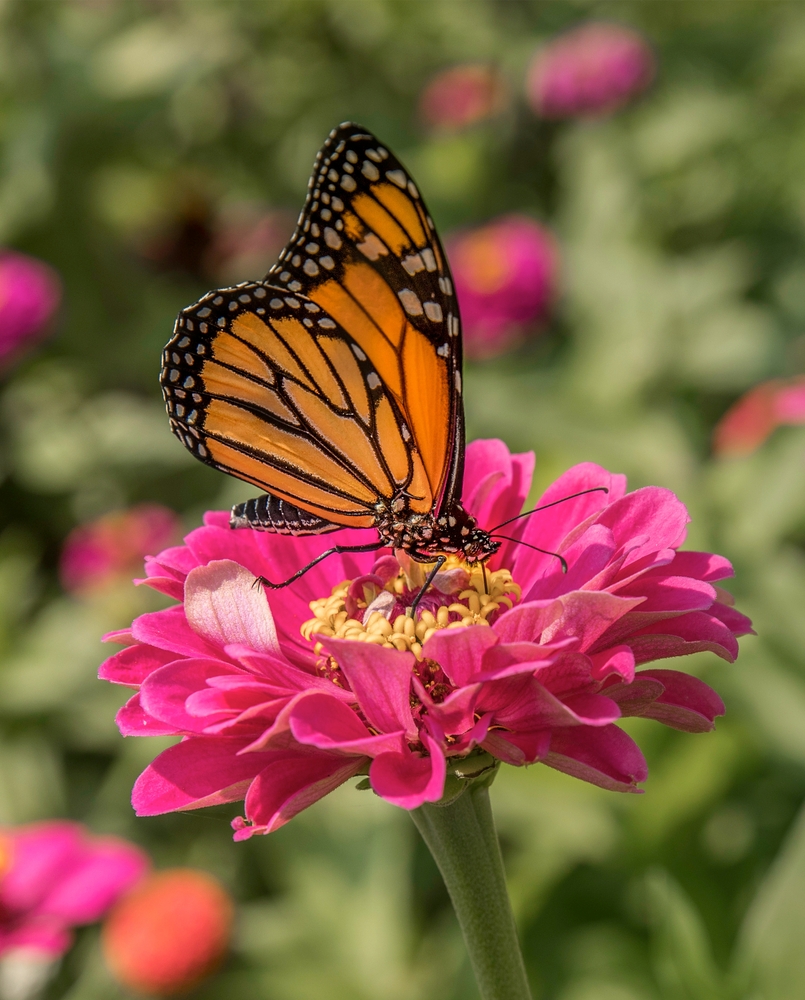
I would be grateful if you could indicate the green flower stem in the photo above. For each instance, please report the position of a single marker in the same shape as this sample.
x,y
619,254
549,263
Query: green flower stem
x,y
462,839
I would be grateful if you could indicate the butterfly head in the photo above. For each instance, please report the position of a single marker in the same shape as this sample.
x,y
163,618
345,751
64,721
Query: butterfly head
x,y
479,546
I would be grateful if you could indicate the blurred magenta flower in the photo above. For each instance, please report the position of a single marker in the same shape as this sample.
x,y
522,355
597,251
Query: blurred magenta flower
x,y
57,876
113,546
505,275
170,933
30,292
589,71
462,95
759,412
533,664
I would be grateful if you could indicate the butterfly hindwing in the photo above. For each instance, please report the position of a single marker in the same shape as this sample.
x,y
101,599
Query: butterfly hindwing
x,y
266,386
366,251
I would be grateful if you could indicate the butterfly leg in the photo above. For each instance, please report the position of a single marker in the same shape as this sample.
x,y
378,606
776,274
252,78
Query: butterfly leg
x,y
335,550
411,611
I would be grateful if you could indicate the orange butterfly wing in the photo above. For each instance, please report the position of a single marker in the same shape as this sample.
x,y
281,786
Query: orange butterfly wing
x,y
336,383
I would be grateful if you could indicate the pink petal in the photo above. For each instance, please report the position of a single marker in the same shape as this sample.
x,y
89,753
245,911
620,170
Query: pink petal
x,y
133,664
686,703
200,771
615,660
517,749
381,680
737,623
324,722
692,633
700,565
653,511
164,693
525,622
41,853
292,781
169,630
586,615
459,651
223,604
670,593
408,781
606,757
635,697
456,714
280,676
133,721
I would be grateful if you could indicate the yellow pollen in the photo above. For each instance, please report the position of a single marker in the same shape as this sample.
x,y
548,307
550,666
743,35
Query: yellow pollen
x,y
476,604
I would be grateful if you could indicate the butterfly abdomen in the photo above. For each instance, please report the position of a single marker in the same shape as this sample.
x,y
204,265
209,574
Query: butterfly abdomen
x,y
270,513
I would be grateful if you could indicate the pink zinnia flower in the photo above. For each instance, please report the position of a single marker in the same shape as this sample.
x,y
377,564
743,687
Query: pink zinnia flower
x,y
57,876
759,412
529,664
589,71
170,933
505,275
113,546
462,95
30,291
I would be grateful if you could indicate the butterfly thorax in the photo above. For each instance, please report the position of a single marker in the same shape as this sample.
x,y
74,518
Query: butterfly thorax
x,y
425,536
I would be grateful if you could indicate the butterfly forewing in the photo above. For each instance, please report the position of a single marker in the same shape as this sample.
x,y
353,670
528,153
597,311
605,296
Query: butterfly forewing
x,y
365,250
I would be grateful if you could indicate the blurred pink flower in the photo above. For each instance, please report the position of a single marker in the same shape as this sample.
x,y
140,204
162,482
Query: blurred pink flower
x,y
170,933
30,292
531,664
751,420
247,239
113,546
56,875
505,275
462,95
589,71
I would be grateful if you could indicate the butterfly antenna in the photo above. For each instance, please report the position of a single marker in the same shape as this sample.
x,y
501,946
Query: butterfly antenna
x,y
335,550
528,545
486,582
553,503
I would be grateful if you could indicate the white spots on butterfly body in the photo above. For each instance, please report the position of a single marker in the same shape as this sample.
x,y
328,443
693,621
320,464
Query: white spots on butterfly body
x,y
176,358
201,349
311,268
332,239
276,303
315,231
183,343
340,147
412,189
352,156
413,264
406,434
339,225
202,451
370,171
221,322
383,153
189,382
285,276
326,214
179,393
372,247
189,360
396,177
443,351
373,380
305,227
410,302
332,175
446,285
294,286
326,199
233,306
348,183
260,293
452,325
338,205
293,303
203,327
189,325
358,353
307,322
218,300
312,248
296,260
173,375
178,410
430,260
203,313
349,168
260,311
312,307
433,311
374,155
326,323
327,262
457,380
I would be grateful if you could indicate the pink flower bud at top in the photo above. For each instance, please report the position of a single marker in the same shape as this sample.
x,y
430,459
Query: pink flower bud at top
x,y
589,71
30,291
170,933
113,547
759,412
461,96
505,275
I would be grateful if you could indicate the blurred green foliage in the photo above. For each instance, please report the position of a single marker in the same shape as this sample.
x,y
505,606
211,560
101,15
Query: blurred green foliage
x,y
129,130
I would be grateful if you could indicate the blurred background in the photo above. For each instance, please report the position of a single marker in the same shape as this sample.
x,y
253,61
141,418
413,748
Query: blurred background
x,y
621,187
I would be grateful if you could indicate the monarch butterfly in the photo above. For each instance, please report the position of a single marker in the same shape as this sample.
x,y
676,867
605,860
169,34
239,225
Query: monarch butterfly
x,y
335,383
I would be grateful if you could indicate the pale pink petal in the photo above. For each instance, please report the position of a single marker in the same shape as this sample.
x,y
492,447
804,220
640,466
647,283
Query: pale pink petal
x,y
406,780
223,605
381,680
169,630
526,622
292,781
460,651
131,720
686,703
606,757
585,615
164,693
200,771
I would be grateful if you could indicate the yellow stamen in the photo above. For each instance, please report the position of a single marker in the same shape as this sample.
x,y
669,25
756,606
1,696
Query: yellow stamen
x,y
475,605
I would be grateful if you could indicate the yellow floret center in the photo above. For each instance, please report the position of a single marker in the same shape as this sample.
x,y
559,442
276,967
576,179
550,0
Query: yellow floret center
x,y
480,597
